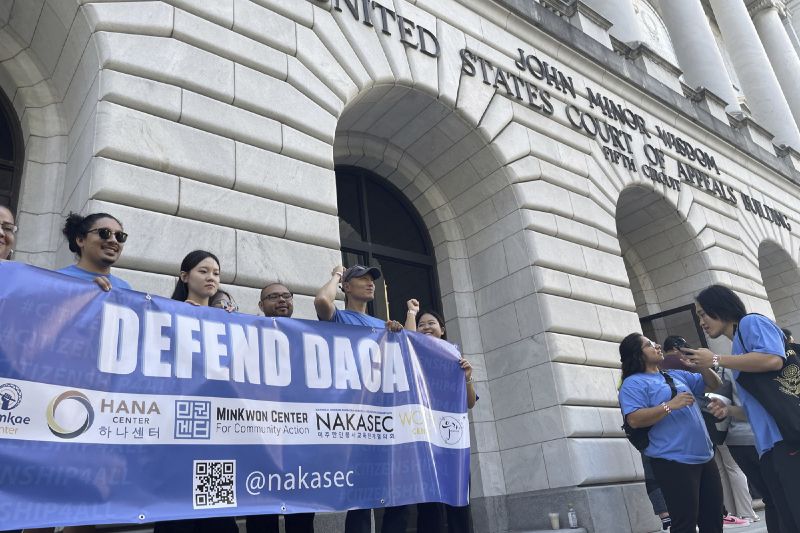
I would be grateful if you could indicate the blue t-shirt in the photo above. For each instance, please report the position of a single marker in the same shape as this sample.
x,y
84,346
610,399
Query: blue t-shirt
x,y
354,318
75,272
760,334
681,436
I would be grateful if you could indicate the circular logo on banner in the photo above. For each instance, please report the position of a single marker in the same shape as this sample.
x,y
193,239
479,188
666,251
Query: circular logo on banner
x,y
10,396
66,433
450,429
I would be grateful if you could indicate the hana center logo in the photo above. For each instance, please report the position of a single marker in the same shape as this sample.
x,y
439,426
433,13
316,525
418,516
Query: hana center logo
x,y
66,433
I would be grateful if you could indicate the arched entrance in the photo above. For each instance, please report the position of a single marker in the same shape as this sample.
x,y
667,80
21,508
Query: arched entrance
x,y
379,227
11,154
665,264
781,280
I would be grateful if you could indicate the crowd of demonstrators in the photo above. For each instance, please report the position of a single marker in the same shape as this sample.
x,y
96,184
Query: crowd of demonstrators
x,y
680,451
98,240
758,347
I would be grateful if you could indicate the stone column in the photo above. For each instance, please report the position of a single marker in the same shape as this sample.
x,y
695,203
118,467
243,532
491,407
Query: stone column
x,y
789,25
696,49
625,24
759,83
781,53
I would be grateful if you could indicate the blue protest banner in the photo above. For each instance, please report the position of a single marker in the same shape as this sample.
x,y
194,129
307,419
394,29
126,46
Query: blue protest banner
x,y
120,407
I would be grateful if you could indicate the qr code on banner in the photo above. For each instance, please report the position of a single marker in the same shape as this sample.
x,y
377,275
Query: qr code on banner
x,y
214,484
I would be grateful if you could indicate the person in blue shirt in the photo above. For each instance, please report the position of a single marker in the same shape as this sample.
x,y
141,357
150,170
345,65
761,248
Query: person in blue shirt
x,y
358,285
680,451
97,240
722,313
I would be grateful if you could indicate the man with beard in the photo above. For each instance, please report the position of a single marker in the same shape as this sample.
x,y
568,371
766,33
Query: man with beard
x,y
278,301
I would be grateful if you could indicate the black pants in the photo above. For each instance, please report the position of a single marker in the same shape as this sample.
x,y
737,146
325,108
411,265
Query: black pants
x,y
395,520
693,494
747,459
432,516
268,523
780,468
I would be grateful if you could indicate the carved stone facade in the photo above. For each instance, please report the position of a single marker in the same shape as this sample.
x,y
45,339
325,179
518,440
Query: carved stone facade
x,y
566,197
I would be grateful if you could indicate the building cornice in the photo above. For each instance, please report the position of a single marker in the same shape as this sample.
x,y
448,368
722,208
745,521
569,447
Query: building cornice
x,y
626,69
755,7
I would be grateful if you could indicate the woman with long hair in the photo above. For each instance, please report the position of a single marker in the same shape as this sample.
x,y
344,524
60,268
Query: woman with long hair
x,y
198,280
758,346
680,451
432,516
197,283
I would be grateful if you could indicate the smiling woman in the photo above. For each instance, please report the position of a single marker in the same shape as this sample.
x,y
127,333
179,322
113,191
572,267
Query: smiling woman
x,y
97,240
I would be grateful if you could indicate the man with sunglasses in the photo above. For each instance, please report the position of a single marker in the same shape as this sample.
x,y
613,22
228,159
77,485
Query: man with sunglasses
x,y
97,240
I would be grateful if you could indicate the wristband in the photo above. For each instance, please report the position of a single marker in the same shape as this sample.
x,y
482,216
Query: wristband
x,y
470,380
412,311
666,407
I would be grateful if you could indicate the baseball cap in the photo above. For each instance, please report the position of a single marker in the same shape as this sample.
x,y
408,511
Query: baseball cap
x,y
356,271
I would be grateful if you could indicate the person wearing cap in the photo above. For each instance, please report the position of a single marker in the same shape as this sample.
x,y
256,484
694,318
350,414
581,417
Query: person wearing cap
x,y
358,285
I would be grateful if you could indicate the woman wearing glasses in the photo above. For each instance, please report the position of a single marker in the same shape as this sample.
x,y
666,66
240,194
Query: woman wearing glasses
x,y
8,232
97,240
680,451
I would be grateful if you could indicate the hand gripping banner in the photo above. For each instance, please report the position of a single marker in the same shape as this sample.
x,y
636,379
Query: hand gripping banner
x,y
120,407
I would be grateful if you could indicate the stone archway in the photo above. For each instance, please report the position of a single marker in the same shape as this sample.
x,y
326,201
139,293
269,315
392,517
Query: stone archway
x,y
46,72
781,279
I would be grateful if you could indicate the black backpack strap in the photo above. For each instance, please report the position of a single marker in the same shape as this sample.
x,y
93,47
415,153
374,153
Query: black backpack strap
x,y
670,382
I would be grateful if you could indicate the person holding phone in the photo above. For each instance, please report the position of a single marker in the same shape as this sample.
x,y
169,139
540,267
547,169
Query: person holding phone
x,y
680,451
758,347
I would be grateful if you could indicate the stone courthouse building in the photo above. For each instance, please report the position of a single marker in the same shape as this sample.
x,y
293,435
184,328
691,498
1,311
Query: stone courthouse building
x,y
551,174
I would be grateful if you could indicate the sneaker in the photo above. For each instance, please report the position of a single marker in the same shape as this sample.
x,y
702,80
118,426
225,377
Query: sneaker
x,y
734,521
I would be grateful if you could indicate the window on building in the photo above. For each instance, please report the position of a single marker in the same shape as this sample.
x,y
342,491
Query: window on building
x,y
681,321
10,153
379,227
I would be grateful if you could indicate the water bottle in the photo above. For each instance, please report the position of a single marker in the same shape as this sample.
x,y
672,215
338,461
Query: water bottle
x,y
572,517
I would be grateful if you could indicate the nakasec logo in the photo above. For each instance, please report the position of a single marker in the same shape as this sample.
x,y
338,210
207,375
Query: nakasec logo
x,y
83,427
10,396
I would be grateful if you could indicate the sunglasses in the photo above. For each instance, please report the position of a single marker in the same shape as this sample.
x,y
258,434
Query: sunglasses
x,y
105,234
8,227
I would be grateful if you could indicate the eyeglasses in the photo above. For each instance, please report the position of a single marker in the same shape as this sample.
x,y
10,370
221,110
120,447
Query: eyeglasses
x,y
652,344
275,296
105,234
8,227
